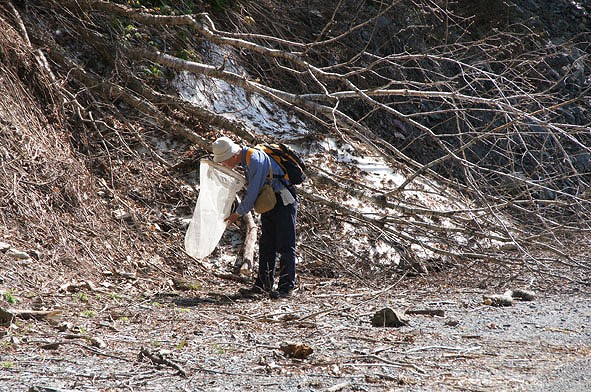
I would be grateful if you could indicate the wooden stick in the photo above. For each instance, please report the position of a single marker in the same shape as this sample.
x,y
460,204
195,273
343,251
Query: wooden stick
x,y
337,387
159,359
250,239
394,363
29,314
430,312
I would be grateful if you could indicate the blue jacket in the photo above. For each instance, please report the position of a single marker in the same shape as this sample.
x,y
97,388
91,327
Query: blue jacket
x,y
257,173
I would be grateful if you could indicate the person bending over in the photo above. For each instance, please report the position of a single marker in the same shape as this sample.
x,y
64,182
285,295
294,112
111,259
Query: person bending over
x,y
278,226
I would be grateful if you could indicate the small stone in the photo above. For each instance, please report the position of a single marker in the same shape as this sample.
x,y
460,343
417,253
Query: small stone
x,y
296,350
388,318
65,326
121,214
186,285
523,295
452,323
97,342
4,246
497,300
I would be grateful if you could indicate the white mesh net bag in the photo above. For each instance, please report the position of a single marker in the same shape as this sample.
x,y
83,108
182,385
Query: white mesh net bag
x,y
218,186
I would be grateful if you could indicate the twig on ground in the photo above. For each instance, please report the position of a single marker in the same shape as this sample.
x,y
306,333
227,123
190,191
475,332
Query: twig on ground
x,y
429,312
337,387
393,363
55,345
449,348
159,359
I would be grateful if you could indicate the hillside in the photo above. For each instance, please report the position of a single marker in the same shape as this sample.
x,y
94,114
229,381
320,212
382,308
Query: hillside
x,y
465,174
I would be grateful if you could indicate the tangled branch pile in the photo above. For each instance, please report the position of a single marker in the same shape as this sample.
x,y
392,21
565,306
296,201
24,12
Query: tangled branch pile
x,y
477,104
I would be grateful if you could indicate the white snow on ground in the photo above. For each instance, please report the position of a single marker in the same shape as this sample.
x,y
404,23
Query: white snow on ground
x,y
374,170
254,111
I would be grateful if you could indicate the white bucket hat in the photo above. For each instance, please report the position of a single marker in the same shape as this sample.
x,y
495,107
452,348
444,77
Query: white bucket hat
x,y
223,149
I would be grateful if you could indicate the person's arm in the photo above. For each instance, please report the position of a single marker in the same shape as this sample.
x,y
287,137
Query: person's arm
x,y
256,175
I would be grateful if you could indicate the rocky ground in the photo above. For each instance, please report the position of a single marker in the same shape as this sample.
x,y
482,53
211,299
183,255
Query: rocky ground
x,y
204,338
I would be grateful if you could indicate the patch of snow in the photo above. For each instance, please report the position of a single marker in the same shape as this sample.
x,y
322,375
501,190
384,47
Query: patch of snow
x,y
374,170
233,102
254,111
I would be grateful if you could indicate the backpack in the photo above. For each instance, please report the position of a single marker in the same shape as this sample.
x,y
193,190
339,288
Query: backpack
x,y
290,162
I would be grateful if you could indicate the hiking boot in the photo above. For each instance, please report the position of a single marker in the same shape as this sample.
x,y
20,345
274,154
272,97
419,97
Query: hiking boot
x,y
251,291
280,294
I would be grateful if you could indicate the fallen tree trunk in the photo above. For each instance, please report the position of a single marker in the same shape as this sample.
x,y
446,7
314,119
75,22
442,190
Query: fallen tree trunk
x,y
250,240
7,316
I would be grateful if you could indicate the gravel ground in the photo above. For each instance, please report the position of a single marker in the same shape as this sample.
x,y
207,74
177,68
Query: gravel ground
x,y
572,377
205,341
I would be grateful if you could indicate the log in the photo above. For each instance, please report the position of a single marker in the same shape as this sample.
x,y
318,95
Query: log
x,y
250,240
244,266
36,314
8,315
429,312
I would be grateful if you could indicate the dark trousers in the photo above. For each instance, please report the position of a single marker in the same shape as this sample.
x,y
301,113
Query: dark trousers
x,y
278,237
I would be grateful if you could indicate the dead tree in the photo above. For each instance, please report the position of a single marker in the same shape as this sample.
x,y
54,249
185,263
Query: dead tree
x,y
477,119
